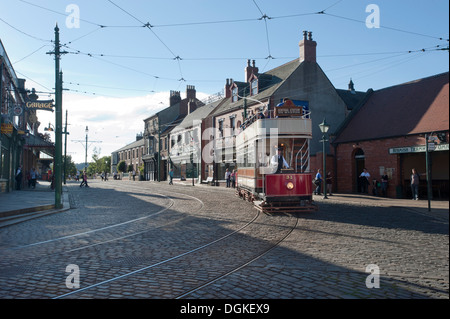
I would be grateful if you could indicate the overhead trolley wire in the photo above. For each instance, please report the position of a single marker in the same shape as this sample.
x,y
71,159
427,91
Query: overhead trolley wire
x,y
149,26
23,32
384,27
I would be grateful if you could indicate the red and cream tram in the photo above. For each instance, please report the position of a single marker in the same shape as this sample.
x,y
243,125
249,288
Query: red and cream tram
x,y
272,157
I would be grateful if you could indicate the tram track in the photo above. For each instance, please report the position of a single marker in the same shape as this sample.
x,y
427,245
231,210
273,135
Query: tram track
x,y
134,269
89,233
180,270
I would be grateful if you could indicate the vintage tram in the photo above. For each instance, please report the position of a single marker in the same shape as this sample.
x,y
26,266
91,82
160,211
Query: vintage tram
x,y
272,155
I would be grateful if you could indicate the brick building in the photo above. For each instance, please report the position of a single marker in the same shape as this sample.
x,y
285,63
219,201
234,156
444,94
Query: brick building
x,y
386,134
132,155
157,130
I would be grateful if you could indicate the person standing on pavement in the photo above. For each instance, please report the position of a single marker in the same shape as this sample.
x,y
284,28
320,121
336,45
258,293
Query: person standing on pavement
x,y
233,179
365,177
318,182
414,184
228,177
329,183
33,177
384,184
19,176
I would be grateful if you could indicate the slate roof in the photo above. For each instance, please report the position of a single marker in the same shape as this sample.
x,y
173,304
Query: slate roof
x,y
199,114
420,106
351,99
132,145
269,82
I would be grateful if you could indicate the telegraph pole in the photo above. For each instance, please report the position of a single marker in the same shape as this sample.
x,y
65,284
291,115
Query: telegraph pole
x,y
86,146
58,121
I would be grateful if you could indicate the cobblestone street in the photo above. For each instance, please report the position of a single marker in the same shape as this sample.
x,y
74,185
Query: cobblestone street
x,y
153,240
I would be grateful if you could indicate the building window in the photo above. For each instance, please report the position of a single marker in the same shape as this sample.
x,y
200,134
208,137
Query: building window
x,y
233,123
221,128
254,87
234,94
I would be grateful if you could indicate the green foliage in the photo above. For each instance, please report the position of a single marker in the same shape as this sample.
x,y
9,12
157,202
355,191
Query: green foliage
x,y
121,166
71,169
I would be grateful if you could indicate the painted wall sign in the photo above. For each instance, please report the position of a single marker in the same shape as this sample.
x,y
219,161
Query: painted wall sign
x,y
417,149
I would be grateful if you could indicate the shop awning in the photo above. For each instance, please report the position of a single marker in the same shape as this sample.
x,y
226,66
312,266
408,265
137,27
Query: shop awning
x,y
39,144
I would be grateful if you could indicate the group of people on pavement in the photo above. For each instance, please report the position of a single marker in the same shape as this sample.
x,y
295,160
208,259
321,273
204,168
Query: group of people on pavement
x,y
364,182
230,178
318,180
31,177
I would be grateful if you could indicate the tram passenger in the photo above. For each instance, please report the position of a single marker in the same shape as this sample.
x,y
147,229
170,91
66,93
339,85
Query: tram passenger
x,y
278,161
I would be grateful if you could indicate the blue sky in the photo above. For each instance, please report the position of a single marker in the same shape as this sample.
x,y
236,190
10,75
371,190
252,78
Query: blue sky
x,y
119,72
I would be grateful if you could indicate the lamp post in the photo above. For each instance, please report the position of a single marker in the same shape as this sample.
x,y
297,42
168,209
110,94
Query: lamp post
x,y
324,127
65,148
86,148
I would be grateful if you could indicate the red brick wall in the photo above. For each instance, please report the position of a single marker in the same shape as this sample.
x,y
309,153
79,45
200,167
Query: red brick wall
x,y
376,155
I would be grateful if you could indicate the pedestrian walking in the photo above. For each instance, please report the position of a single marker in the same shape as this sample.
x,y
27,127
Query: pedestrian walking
x,y
84,180
19,176
415,184
318,182
171,177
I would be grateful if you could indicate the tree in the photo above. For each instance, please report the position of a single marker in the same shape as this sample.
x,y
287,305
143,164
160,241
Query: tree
x,y
121,167
71,169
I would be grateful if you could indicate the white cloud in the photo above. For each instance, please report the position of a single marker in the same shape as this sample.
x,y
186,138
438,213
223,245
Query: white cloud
x,y
112,121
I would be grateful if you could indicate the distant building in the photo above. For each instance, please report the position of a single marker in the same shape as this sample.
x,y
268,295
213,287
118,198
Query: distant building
x,y
157,129
187,144
132,155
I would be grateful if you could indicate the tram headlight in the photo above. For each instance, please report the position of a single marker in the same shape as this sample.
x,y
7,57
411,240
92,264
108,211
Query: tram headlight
x,y
290,185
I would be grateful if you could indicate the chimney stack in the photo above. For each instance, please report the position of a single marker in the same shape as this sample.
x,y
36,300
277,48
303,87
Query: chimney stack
x,y
249,70
190,92
227,88
174,97
307,48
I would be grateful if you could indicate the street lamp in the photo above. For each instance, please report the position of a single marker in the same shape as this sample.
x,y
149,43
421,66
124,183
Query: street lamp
x,y
50,128
85,156
324,127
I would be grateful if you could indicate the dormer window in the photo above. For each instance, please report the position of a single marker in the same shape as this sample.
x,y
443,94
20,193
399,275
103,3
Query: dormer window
x,y
254,88
234,94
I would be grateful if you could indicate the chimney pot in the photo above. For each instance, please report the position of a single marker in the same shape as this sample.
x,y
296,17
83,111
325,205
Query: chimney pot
x,y
307,48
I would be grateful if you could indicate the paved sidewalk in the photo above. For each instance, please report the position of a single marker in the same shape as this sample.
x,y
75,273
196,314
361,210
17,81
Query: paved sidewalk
x,y
21,205
438,208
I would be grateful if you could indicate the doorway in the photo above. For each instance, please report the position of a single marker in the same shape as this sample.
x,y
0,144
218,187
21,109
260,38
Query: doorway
x,y
359,160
